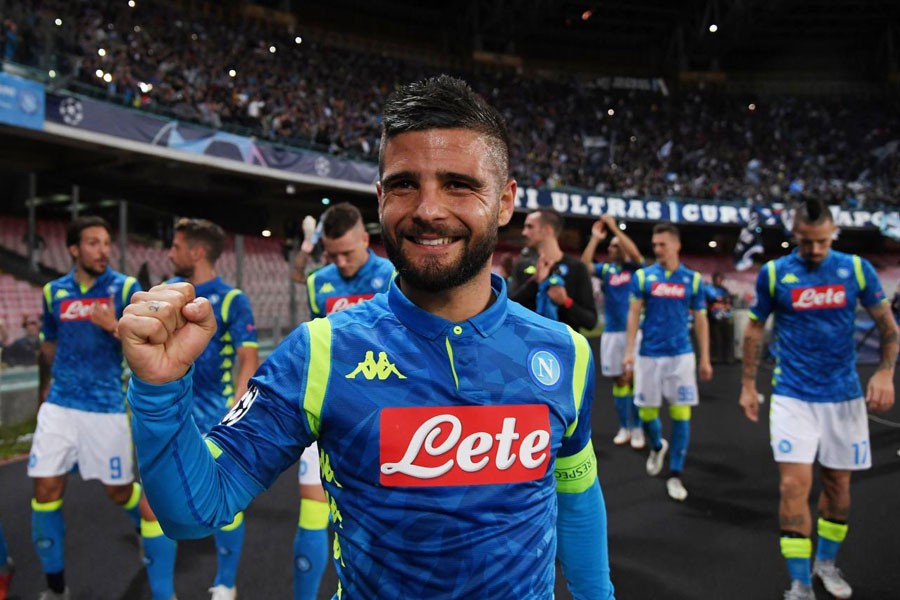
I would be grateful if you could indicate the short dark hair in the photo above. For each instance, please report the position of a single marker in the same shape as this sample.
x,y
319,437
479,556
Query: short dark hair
x,y
201,231
443,102
812,211
551,217
339,219
667,227
79,224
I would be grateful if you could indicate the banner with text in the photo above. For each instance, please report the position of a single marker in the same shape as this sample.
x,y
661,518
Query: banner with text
x,y
21,102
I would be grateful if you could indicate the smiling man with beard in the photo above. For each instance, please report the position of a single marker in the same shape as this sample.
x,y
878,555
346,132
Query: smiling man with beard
x,y
453,424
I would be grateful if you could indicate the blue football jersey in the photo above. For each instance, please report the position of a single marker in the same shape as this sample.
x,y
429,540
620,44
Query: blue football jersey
x,y
329,292
442,445
213,384
88,367
669,298
615,281
815,315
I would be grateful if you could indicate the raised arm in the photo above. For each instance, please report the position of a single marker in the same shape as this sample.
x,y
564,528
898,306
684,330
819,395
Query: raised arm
x,y
629,248
598,234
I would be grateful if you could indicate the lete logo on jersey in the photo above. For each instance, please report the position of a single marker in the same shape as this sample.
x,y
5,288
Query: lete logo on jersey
x,y
464,445
661,289
617,279
79,309
339,303
819,297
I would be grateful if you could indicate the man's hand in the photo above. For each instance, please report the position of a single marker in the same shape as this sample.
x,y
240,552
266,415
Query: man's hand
x,y
163,331
598,230
880,391
104,315
544,266
628,364
750,402
706,371
557,294
610,222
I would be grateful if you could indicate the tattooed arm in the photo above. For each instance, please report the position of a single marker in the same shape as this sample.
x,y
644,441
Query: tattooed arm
x,y
880,391
753,340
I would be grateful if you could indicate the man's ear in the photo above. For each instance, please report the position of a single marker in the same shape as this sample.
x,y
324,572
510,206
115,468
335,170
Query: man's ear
x,y
507,202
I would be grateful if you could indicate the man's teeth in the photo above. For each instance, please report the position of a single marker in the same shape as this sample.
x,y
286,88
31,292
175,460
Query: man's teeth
x,y
436,242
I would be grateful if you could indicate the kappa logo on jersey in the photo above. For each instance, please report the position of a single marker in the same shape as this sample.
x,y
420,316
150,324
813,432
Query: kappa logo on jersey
x,y
819,297
464,445
241,408
326,287
370,369
60,294
339,303
79,309
617,279
667,290
790,278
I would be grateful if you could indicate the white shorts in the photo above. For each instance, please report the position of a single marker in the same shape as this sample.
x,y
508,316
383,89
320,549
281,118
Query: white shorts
x,y
612,352
310,473
839,431
671,377
99,443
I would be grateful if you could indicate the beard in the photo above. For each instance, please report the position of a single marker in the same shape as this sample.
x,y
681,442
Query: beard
x,y
433,276
185,272
92,271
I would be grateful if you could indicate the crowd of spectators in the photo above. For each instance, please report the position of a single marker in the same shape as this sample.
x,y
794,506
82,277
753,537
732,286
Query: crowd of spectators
x,y
217,67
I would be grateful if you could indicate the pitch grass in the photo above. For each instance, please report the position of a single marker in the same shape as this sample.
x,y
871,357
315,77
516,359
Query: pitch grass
x,y
15,440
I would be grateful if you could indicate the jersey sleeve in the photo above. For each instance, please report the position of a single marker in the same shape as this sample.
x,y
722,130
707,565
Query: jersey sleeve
x,y
600,270
129,287
196,485
315,311
637,285
764,302
698,294
871,292
48,319
240,322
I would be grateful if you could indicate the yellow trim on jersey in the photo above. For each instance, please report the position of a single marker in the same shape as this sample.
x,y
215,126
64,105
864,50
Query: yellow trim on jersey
x,y
126,289
640,276
311,291
213,449
46,506
250,345
575,474
858,269
697,280
317,371
579,374
313,514
226,302
770,267
48,293
238,520
452,366
679,412
796,547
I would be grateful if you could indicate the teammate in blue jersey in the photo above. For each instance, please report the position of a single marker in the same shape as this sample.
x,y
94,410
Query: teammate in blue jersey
x,y
615,281
196,247
818,406
668,293
355,274
81,419
453,425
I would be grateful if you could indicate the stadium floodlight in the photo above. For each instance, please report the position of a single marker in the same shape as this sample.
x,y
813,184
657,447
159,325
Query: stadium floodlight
x,y
298,40
785,245
623,226
58,22
611,112
232,72
107,78
326,201
51,73
132,3
752,107
137,28
266,233
713,243
713,28
272,49
99,73
101,52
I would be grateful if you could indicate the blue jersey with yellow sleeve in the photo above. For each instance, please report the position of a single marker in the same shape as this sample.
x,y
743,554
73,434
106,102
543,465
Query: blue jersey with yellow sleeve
x,y
213,384
446,449
329,292
615,281
815,314
669,297
88,368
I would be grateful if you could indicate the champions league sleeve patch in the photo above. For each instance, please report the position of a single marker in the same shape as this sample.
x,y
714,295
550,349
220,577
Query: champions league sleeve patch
x,y
241,408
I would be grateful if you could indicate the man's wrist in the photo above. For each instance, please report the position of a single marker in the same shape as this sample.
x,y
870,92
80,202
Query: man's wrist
x,y
568,302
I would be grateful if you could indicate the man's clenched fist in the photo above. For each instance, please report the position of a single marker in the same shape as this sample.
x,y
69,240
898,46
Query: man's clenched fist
x,y
163,331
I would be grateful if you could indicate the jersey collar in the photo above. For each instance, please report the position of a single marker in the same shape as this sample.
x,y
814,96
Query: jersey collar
x,y
432,326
